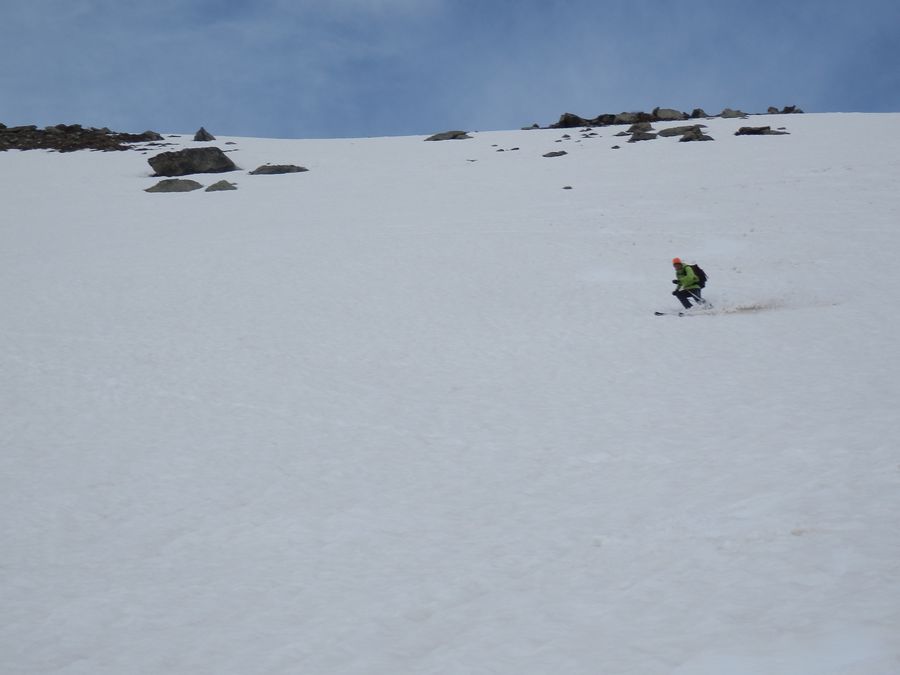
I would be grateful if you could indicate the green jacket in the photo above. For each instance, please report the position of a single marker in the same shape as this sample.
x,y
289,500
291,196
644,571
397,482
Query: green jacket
x,y
686,278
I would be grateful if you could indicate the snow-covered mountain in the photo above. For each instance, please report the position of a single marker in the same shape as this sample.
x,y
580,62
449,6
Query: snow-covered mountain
x,y
411,412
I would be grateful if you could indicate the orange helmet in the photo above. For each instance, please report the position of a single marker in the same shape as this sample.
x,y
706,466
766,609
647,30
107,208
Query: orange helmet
x,y
676,261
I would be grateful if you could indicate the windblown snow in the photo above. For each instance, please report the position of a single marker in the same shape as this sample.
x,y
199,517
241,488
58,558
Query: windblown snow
x,y
411,411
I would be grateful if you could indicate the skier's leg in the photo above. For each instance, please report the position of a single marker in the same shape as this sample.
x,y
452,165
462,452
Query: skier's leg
x,y
696,293
683,298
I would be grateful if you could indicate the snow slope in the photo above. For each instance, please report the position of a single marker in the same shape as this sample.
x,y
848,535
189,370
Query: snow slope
x,y
412,413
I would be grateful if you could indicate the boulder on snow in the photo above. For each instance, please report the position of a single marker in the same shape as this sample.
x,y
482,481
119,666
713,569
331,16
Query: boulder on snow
x,y
203,135
175,185
557,153
273,169
694,134
221,186
728,113
192,160
680,131
640,128
449,136
759,131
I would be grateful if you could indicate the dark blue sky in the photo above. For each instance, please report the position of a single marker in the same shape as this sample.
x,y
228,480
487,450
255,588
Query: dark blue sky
x,y
298,68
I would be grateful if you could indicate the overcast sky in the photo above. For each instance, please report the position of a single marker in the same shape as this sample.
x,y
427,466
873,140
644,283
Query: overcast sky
x,y
352,68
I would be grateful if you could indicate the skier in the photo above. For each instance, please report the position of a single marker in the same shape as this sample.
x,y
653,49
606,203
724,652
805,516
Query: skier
x,y
689,284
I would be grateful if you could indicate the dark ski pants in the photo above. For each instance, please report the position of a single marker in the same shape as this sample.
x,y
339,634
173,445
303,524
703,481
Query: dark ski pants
x,y
685,296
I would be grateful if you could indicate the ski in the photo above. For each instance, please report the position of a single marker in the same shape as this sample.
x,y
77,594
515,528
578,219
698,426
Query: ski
x,y
702,310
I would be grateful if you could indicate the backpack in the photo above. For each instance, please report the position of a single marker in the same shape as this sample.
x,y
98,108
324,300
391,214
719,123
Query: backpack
x,y
701,275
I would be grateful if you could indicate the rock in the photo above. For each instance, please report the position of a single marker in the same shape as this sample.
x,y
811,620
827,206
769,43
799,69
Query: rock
x,y
203,135
569,121
759,131
68,138
680,131
558,153
449,136
640,127
175,185
221,186
658,115
641,136
787,110
629,118
695,134
273,169
145,137
668,115
192,160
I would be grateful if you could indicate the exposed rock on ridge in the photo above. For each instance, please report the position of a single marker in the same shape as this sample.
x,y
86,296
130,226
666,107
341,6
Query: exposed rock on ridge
x,y
70,137
570,120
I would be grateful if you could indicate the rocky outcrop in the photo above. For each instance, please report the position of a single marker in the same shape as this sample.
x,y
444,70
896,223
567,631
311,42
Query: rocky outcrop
x,y
570,120
449,136
273,169
192,160
175,185
556,153
70,137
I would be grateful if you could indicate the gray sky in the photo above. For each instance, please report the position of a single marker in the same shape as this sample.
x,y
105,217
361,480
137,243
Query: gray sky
x,y
351,68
